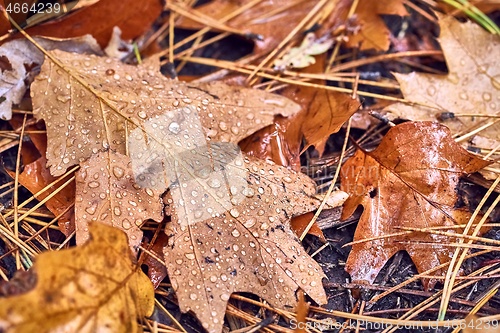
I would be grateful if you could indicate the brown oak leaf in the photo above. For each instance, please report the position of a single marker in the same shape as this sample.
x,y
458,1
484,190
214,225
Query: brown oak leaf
x,y
85,289
249,248
95,101
323,113
408,181
106,191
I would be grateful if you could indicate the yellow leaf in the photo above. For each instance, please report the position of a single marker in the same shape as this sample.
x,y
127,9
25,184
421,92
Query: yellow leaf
x,y
91,288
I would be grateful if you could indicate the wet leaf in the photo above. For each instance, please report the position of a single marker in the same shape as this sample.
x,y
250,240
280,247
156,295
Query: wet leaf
x,y
107,192
36,177
122,95
95,101
471,87
328,111
410,180
156,270
249,248
366,29
300,223
86,289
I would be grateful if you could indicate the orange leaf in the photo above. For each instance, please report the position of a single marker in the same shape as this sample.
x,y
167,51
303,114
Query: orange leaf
x,y
373,33
408,181
299,224
35,177
329,110
156,270
133,17
323,113
471,86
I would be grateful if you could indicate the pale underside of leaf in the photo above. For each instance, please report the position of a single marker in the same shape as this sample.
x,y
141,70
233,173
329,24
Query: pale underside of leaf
x,y
19,55
249,248
302,56
85,289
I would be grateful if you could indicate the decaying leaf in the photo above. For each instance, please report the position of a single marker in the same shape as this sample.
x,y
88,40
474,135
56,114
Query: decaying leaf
x,y
266,19
18,57
302,56
91,288
35,177
408,181
249,248
471,87
255,20
107,192
156,270
328,111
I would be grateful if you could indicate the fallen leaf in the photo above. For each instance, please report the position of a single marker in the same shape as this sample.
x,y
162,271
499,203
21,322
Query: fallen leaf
x,y
96,100
132,17
18,57
471,87
300,223
106,191
372,32
156,269
323,113
118,94
36,176
175,119
89,288
302,56
410,180
302,312
249,248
